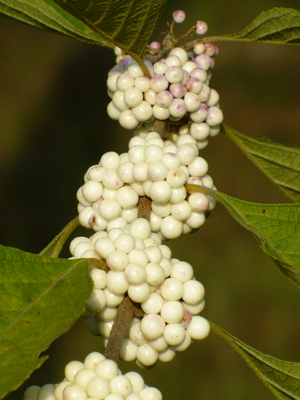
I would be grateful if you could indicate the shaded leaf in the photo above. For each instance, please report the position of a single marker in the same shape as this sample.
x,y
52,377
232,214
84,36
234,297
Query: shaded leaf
x,y
55,246
41,298
275,226
281,164
278,26
128,24
281,377
45,14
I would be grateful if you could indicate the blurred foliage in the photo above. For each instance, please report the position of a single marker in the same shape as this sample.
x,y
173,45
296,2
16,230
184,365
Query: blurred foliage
x,y
54,126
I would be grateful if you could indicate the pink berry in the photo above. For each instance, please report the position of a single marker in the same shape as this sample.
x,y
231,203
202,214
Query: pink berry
x,y
210,49
178,16
201,27
155,46
177,89
125,61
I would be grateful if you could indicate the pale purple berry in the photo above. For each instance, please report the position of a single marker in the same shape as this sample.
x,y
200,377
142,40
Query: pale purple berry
x,y
203,61
185,78
210,49
142,83
125,61
178,16
164,99
200,114
201,27
205,93
155,46
199,73
159,83
194,85
115,69
148,64
178,108
177,89
159,68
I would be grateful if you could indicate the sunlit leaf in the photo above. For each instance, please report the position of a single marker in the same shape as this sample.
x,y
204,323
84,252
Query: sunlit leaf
x,y
275,226
281,377
45,14
281,164
40,298
278,26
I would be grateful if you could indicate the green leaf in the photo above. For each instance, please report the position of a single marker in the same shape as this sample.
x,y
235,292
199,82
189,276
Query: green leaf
x,y
281,377
278,26
275,226
281,164
45,14
55,246
128,24
41,298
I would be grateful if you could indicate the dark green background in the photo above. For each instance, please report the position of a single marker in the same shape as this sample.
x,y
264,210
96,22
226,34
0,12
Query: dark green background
x,y
53,126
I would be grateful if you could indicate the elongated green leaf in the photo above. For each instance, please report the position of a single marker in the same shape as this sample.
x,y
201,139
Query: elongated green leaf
x,y
278,26
281,164
45,14
275,226
55,246
281,377
41,298
128,24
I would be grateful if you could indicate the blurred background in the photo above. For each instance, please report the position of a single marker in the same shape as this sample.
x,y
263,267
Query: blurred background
x,y
53,126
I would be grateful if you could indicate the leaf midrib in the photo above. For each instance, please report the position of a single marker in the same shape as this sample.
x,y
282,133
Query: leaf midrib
x,y
53,284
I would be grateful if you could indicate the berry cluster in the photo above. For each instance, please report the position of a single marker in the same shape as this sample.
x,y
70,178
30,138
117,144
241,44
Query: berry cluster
x,y
141,268
154,168
178,86
95,378
136,268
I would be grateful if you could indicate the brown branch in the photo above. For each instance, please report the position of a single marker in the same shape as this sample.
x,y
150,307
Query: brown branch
x,y
144,208
124,315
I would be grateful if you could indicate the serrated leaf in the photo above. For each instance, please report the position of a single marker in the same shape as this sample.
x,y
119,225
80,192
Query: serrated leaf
x,y
128,24
41,298
278,26
275,226
281,164
281,377
55,246
45,14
